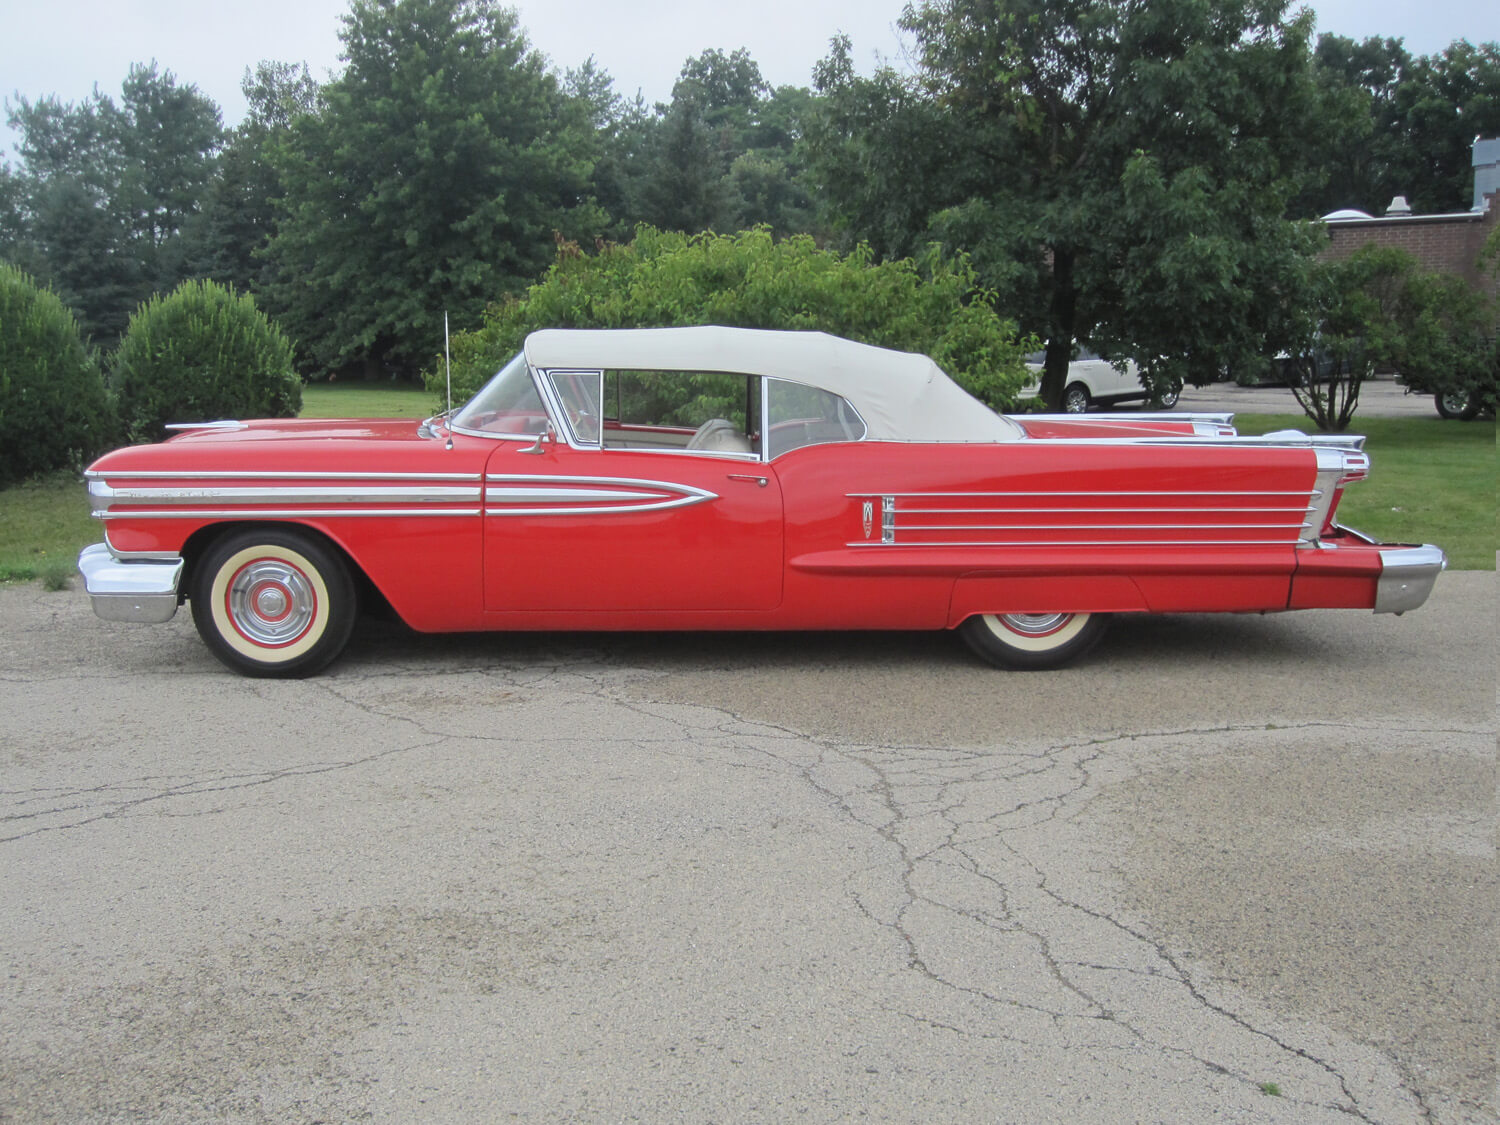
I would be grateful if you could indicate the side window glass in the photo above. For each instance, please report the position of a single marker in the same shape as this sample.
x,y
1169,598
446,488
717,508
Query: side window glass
x,y
798,415
701,411
579,392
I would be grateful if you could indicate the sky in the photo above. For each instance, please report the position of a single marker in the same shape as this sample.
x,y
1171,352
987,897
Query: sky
x,y
66,50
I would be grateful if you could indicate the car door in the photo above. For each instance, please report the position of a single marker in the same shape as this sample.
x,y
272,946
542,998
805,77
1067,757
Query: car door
x,y
618,514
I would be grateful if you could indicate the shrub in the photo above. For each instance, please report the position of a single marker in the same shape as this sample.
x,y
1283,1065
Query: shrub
x,y
749,280
201,353
54,411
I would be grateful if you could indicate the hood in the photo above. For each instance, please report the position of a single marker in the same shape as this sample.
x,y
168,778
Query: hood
x,y
296,429
282,445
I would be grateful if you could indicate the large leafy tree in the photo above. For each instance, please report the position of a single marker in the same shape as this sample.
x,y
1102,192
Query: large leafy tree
x,y
240,213
722,155
1404,124
107,190
442,163
1360,79
1444,102
1119,171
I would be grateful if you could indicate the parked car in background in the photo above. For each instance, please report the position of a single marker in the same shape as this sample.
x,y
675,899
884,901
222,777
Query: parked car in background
x,y
1465,403
1095,382
1466,391
722,478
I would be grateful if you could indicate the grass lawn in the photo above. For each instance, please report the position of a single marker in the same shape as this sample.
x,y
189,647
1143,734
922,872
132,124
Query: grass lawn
x,y
1432,482
366,400
44,523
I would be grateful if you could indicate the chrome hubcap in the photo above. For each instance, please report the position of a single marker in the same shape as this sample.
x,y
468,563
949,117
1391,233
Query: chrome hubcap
x,y
271,602
1034,624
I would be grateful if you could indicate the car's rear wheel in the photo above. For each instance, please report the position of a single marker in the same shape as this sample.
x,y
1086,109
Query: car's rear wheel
x,y
273,603
1030,641
1463,405
1075,398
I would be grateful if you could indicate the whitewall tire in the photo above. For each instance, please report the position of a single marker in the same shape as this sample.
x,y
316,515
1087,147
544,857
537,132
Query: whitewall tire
x,y
273,603
1032,640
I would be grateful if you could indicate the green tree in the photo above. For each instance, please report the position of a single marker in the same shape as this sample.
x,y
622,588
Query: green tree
x,y
170,137
54,411
750,280
74,231
1359,82
108,191
441,163
1405,124
1444,103
1118,171
12,213
201,353
1377,309
722,155
240,212
621,130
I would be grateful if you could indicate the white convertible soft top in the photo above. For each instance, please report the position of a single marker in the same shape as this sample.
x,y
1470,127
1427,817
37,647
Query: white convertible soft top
x,y
902,396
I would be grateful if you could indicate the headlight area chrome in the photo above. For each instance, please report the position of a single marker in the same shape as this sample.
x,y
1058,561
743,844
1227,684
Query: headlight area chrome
x,y
1338,464
141,590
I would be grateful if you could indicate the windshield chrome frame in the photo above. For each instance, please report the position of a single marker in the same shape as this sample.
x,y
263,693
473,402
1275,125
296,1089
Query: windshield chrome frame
x,y
547,408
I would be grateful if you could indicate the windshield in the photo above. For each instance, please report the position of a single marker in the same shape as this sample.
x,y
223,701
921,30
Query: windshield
x,y
507,404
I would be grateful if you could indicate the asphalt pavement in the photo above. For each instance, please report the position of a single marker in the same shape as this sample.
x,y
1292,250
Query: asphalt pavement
x,y
1229,868
1381,397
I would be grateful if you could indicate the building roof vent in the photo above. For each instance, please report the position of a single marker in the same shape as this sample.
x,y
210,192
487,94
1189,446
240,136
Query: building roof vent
x,y
1486,170
1398,206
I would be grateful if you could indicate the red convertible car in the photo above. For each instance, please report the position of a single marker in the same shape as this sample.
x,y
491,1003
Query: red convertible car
x,y
719,478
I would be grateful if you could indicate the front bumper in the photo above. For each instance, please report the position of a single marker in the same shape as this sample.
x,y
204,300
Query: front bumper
x,y
1407,575
143,590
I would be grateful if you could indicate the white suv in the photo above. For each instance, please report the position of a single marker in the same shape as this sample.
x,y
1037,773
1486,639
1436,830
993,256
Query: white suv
x,y
1096,382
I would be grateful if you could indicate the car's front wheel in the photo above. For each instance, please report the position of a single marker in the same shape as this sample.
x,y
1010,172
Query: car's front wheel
x,y
1168,398
1076,398
1030,641
273,603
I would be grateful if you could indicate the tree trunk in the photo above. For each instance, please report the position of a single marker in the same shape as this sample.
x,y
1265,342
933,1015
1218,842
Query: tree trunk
x,y
1060,330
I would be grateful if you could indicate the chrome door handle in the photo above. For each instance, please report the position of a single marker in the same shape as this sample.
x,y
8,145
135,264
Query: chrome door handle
x,y
761,481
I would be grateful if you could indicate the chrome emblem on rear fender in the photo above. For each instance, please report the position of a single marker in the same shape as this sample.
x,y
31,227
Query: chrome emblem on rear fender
x,y
869,514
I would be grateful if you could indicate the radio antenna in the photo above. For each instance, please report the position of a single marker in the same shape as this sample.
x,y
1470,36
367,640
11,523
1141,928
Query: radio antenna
x,y
448,374
447,362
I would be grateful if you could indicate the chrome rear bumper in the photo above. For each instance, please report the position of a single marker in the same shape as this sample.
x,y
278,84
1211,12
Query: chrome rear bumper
x,y
1407,575
143,590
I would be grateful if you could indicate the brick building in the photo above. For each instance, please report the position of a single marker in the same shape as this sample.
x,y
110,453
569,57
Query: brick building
x,y
1439,243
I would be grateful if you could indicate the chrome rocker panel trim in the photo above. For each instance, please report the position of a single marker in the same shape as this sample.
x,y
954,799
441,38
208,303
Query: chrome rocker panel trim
x,y
143,591
1407,575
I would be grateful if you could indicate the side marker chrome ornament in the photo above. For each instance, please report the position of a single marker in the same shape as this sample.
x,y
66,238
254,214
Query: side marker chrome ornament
x,y
224,424
869,517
